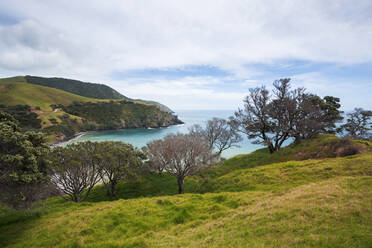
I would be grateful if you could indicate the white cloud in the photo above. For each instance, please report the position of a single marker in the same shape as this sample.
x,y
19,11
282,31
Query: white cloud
x,y
89,39
185,93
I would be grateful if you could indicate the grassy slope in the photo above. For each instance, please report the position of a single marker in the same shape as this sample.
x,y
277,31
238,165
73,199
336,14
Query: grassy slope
x,y
312,203
16,90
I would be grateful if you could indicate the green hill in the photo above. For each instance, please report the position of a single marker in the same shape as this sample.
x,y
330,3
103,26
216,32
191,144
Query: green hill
x,y
16,91
86,89
310,203
99,91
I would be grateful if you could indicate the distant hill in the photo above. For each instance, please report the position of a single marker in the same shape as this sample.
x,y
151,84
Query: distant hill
x,y
86,89
159,105
16,91
99,91
62,114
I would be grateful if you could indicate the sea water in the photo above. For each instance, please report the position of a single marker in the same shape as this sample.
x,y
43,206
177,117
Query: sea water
x,y
140,136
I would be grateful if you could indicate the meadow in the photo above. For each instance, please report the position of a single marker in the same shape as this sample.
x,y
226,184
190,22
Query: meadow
x,y
255,200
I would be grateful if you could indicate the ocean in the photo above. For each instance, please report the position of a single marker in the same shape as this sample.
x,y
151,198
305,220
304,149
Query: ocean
x,y
140,136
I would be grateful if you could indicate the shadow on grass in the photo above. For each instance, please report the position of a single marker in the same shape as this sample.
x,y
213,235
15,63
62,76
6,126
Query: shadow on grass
x,y
20,221
146,186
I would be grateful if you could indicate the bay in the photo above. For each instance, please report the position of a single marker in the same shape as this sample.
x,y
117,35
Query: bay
x,y
140,136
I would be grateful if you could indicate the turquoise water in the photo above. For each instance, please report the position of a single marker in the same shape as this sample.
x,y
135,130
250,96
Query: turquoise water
x,y
139,137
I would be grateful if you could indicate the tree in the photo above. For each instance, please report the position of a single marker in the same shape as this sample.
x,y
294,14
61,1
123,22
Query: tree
x,y
219,134
272,119
283,112
357,124
155,152
179,154
266,118
75,169
118,161
315,116
23,166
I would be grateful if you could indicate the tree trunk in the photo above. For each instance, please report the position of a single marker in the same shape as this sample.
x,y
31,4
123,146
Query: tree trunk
x,y
108,193
297,139
113,186
180,185
271,148
75,197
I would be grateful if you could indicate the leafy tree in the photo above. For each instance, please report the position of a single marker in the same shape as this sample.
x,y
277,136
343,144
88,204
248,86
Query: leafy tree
x,y
316,115
23,166
357,124
27,120
118,161
179,154
75,169
271,119
331,106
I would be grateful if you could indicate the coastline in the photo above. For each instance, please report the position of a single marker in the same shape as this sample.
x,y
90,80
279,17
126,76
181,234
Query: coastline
x,y
79,134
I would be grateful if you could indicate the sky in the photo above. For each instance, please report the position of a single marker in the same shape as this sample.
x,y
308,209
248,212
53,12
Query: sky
x,y
192,54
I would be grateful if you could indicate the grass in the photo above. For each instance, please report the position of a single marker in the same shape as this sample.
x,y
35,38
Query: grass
x,y
311,203
14,91
322,146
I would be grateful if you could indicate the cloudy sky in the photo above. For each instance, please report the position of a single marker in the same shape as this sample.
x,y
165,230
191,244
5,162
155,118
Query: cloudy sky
x,y
193,54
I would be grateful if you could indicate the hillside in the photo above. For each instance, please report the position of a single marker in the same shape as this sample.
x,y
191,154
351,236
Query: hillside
x,y
99,91
86,89
16,91
62,114
310,203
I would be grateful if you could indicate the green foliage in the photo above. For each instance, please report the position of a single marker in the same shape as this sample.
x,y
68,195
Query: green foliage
x,y
75,169
22,162
358,124
23,114
271,119
67,126
121,114
98,91
225,176
118,161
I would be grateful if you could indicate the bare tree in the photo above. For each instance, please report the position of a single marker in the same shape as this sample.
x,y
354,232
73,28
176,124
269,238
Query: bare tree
x,y
219,134
358,125
74,169
118,161
156,156
179,154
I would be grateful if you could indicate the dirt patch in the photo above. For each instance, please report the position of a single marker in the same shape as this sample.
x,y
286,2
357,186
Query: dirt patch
x,y
38,112
337,148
